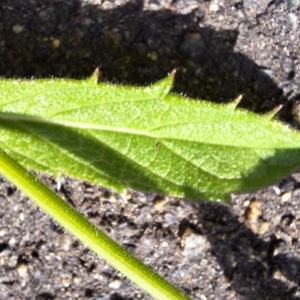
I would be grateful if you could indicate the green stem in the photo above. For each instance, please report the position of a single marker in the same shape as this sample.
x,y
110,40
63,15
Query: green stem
x,y
86,232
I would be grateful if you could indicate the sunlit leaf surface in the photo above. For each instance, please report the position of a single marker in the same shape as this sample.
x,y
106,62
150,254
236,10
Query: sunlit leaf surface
x,y
143,138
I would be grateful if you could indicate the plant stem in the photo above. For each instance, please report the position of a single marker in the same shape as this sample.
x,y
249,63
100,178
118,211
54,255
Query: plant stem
x,y
86,232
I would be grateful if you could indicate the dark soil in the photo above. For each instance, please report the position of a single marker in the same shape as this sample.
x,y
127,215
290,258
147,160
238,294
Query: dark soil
x,y
220,49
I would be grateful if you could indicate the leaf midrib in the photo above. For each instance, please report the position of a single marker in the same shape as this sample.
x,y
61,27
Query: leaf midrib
x,y
88,126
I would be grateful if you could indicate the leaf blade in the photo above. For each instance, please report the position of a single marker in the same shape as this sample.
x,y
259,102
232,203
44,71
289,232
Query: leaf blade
x,y
144,138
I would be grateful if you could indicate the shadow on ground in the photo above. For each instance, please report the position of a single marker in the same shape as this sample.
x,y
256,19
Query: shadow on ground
x,y
130,45
249,262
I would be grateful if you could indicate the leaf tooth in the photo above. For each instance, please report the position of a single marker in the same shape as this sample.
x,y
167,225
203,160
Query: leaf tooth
x,y
172,74
161,88
94,78
233,104
273,112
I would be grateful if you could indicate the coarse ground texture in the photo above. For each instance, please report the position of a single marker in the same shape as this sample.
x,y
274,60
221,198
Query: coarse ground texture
x,y
220,49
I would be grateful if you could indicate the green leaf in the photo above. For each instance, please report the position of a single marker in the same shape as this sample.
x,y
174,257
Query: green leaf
x,y
143,138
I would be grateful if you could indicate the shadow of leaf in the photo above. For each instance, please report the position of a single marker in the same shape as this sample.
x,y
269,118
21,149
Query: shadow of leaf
x,y
249,262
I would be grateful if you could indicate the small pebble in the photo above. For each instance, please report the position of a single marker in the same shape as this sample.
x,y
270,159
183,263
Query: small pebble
x,y
293,20
115,284
56,43
65,282
22,269
12,261
263,227
76,280
18,28
21,216
66,242
286,196
3,232
276,190
213,7
253,211
159,203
